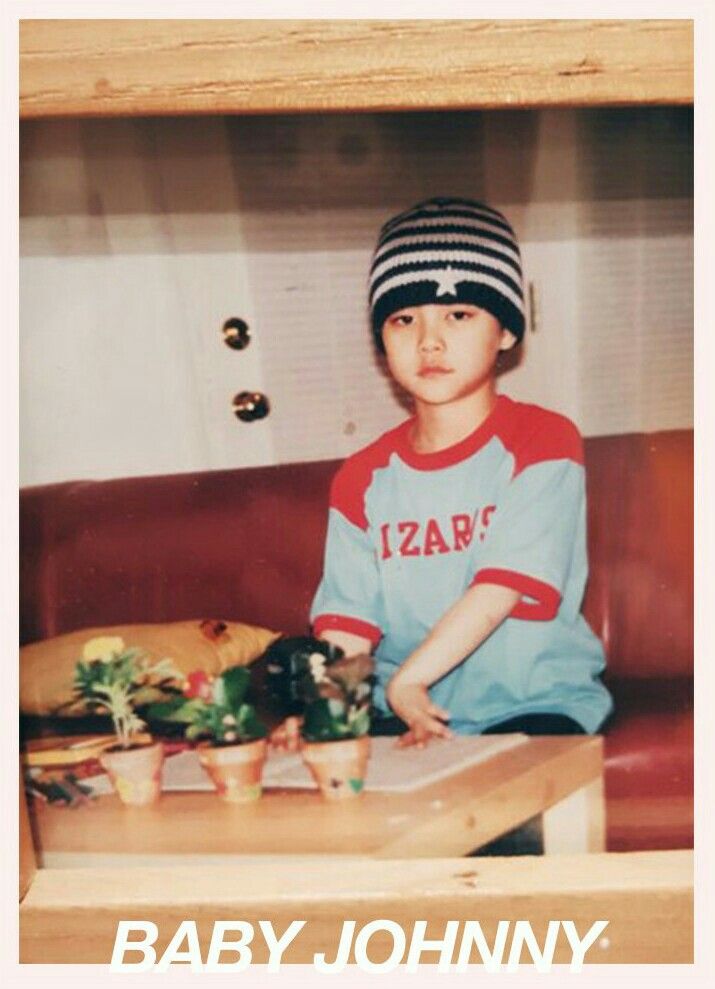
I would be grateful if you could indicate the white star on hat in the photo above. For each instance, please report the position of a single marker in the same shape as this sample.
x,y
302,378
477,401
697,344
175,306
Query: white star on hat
x,y
447,282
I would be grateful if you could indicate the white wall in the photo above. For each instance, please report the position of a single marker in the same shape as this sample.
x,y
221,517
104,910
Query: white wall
x,y
140,237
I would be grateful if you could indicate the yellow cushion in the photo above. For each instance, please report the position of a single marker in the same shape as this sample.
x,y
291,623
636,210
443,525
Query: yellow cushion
x,y
47,667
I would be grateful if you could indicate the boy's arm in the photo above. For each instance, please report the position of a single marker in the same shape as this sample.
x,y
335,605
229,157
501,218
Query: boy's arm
x,y
348,601
536,539
457,634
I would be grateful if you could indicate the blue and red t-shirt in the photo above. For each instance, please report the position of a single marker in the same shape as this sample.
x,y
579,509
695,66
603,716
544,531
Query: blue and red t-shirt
x,y
409,533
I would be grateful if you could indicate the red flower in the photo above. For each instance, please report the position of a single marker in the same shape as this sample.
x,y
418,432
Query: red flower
x,y
198,684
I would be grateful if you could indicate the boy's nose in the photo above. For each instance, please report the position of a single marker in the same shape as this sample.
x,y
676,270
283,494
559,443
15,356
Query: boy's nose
x,y
430,337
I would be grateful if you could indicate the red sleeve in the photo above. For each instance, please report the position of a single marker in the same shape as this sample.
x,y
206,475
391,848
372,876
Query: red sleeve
x,y
545,599
347,492
536,435
343,623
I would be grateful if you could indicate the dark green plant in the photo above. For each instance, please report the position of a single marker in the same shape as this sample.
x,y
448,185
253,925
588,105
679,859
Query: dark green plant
x,y
214,708
336,696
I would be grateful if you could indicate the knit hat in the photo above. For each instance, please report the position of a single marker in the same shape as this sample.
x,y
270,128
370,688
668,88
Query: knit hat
x,y
446,251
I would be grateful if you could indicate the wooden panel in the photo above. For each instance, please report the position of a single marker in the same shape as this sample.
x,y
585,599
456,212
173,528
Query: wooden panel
x,y
639,598
27,850
647,897
106,67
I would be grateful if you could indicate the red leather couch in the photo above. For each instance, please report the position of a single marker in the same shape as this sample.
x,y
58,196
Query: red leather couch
x,y
247,545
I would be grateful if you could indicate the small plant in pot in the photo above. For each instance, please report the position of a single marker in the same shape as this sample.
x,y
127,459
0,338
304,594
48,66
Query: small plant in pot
x,y
336,721
115,679
232,739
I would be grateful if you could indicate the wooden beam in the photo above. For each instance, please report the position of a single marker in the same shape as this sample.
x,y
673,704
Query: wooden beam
x,y
28,865
647,897
578,822
144,67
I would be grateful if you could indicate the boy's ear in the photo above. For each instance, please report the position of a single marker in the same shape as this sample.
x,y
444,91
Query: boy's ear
x,y
507,340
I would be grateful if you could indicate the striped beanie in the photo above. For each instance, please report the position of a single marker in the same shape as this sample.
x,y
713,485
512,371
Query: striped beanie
x,y
446,251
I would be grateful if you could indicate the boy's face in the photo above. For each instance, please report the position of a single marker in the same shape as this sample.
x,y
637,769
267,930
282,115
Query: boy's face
x,y
441,353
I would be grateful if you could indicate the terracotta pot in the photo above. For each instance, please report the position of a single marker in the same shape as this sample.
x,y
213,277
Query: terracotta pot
x,y
338,768
235,770
135,773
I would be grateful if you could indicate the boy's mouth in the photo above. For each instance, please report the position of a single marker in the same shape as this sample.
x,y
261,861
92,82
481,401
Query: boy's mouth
x,y
428,372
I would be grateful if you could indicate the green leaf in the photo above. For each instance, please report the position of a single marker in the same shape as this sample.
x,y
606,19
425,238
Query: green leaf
x,y
218,692
235,684
360,723
248,725
176,709
320,725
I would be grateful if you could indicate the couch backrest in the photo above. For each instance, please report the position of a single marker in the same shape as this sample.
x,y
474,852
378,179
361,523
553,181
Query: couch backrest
x,y
247,545
639,597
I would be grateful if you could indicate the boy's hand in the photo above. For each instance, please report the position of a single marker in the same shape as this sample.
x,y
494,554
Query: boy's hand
x,y
286,735
412,703
415,737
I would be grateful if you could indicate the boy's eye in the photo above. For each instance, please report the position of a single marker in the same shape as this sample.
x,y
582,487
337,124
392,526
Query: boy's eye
x,y
460,315
401,319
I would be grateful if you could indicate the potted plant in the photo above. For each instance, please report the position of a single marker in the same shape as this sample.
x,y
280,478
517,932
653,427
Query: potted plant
x,y
232,739
336,721
113,678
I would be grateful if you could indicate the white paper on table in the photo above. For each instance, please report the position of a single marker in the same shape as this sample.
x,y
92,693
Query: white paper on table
x,y
390,769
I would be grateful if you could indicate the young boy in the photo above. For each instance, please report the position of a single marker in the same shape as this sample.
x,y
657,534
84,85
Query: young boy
x,y
456,545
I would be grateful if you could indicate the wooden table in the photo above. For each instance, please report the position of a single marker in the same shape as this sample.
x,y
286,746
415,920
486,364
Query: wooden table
x,y
559,778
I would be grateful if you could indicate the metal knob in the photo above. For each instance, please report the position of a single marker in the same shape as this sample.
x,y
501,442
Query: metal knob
x,y
250,405
236,333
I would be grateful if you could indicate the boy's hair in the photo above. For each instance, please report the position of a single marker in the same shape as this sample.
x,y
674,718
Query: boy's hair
x,y
447,251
